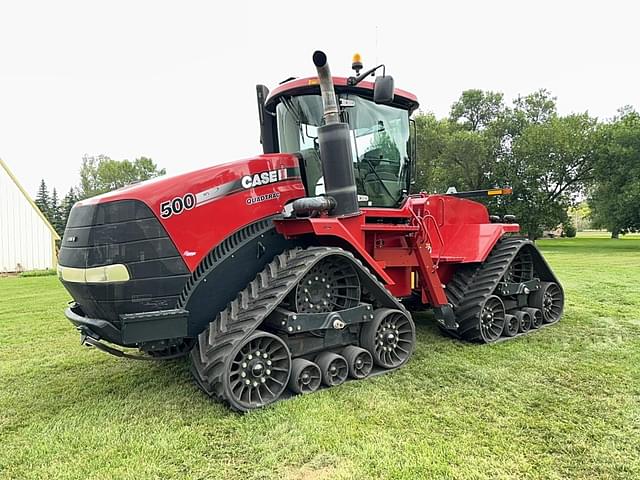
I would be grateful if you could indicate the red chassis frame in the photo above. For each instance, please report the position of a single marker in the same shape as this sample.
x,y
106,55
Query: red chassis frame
x,y
416,246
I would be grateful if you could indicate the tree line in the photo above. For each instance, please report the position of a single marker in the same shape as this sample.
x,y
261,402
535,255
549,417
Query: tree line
x,y
98,174
552,162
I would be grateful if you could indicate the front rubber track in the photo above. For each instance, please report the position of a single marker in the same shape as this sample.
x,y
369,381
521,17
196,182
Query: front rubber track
x,y
252,306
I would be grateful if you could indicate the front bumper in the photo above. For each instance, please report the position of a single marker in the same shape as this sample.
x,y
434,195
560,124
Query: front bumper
x,y
93,327
135,328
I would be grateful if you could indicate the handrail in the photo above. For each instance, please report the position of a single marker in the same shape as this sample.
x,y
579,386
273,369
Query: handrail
x,y
424,228
435,224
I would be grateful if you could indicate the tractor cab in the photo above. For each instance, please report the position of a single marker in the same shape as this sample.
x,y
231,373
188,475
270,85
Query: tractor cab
x,y
381,143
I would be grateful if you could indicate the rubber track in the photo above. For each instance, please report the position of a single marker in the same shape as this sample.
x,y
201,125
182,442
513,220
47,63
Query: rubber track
x,y
253,304
470,287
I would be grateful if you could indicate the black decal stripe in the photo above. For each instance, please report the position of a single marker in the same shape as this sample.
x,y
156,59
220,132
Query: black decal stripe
x,y
235,186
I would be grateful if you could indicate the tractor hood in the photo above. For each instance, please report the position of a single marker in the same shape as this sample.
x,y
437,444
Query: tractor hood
x,y
200,208
133,249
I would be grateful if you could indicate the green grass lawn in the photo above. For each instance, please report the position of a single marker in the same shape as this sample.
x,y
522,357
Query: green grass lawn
x,y
563,402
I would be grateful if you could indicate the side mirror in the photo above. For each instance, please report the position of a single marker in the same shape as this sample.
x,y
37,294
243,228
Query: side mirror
x,y
383,89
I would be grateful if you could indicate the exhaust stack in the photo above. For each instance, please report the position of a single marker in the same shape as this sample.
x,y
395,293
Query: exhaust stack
x,y
335,146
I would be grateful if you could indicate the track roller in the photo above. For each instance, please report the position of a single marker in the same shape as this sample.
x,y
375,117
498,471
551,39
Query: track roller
x,y
334,368
536,317
524,320
491,319
359,360
305,376
390,337
511,325
549,299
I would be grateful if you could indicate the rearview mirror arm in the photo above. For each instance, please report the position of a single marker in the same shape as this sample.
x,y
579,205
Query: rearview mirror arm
x,y
352,81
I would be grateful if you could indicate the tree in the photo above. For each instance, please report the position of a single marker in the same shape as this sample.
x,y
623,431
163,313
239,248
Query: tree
x,y
537,107
101,174
548,165
42,199
55,213
581,215
615,195
460,151
432,138
467,161
545,158
66,205
477,109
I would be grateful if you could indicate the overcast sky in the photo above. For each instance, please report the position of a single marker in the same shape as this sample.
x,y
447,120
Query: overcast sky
x,y
175,81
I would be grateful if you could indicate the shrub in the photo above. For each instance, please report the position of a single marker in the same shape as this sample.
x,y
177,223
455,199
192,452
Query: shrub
x,y
569,230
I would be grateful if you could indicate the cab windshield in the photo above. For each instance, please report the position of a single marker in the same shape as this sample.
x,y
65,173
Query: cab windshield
x,y
379,142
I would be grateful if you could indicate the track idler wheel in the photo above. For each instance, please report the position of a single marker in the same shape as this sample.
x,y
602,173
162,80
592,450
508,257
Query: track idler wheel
x,y
491,319
549,299
511,325
536,317
305,376
257,371
334,368
524,320
390,337
359,360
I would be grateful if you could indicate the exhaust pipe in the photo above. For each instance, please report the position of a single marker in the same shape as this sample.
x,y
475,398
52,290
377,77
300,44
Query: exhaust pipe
x,y
335,146
331,113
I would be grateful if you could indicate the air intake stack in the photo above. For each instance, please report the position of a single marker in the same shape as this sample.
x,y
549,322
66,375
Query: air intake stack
x,y
335,146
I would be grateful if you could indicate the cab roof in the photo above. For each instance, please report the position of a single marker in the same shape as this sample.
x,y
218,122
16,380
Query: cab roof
x,y
310,86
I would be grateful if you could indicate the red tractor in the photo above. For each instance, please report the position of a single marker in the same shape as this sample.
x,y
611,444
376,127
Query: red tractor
x,y
293,270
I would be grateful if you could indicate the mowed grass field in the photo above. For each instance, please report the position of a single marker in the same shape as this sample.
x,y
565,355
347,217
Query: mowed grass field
x,y
563,402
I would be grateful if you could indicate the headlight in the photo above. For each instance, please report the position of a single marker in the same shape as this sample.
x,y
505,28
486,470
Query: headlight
x,y
105,274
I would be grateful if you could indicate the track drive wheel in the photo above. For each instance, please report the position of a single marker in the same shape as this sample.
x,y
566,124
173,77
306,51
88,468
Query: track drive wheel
x,y
359,360
257,371
332,284
536,317
549,299
390,337
305,376
491,319
334,368
524,320
511,325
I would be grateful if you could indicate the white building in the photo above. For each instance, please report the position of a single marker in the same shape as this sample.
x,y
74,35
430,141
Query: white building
x,y
27,239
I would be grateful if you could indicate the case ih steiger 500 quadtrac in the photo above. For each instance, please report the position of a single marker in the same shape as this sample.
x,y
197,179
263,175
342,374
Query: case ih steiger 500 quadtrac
x,y
290,271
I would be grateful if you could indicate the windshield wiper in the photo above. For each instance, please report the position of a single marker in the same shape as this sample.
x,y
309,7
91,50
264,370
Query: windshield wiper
x,y
364,157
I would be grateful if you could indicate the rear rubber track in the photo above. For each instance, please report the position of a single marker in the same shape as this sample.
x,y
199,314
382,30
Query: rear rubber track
x,y
470,287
